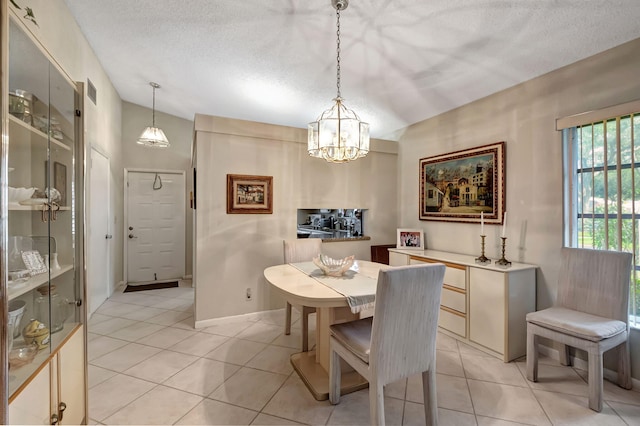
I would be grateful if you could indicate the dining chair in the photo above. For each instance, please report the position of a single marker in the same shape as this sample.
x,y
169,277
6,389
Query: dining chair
x,y
591,313
303,250
397,342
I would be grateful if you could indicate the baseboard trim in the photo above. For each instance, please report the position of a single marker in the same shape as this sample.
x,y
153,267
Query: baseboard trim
x,y
119,287
581,364
252,316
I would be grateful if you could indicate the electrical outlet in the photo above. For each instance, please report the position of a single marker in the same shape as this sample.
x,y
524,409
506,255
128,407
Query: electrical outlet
x,y
249,295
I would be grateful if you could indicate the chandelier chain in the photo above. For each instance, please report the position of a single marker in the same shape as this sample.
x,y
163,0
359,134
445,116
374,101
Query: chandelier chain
x,y
153,110
338,50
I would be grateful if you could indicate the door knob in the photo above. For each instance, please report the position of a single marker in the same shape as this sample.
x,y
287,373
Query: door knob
x,y
131,236
108,236
131,228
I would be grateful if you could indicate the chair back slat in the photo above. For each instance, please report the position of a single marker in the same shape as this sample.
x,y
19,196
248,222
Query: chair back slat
x,y
405,320
595,282
302,250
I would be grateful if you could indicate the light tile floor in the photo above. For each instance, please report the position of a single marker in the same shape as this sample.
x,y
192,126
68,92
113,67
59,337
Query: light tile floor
x,y
148,365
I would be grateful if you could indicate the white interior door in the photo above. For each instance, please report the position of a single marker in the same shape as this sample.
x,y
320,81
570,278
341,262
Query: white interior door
x,y
155,234
99,237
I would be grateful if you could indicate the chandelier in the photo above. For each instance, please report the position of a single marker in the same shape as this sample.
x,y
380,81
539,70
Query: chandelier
x,y
152,135
338,135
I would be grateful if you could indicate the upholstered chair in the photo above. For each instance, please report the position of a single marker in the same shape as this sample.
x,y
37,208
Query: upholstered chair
x,y
399,341
591,313
302,250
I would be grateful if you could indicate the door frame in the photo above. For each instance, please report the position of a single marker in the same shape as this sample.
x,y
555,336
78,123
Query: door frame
x,y
125,231
110,286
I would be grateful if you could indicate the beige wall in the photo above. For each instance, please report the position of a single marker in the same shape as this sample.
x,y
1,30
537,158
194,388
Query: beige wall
x,y
177,157
63,39
523,116
234,249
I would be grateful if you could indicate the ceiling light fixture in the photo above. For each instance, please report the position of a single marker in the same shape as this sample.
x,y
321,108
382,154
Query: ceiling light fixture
x,y
338,135
153,136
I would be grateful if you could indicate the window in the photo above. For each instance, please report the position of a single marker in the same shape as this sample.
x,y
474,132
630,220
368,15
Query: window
x,y
602,190
331,224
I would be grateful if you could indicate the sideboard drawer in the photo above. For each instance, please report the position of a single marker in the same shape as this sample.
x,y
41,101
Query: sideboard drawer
x,y
454,322
455,276
454,299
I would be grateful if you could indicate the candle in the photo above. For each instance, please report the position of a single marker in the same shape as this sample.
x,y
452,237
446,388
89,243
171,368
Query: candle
x,y
504,224
481,223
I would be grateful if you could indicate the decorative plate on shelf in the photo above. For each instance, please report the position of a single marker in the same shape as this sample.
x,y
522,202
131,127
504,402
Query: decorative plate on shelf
x,y
34,262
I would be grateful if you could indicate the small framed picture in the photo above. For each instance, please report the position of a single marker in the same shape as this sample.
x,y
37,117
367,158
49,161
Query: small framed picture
x,y
249,194
411,239
60,181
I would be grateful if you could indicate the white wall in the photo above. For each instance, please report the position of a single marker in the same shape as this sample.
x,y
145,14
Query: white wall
x,y
63,39
523,116
179,132
234,249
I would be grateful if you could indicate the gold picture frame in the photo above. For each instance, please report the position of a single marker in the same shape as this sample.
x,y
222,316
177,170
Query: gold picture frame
x,y
465,185
247,194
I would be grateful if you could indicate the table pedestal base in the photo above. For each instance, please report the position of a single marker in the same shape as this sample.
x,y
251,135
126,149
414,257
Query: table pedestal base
x,y
317,379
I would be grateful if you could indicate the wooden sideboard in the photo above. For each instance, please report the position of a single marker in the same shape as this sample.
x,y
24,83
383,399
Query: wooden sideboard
x,y
482,305
380,253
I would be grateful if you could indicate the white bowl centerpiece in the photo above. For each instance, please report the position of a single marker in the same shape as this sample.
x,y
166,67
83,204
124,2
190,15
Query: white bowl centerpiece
x,y
333,267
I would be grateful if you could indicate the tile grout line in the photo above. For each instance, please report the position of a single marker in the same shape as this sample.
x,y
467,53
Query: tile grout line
x,y
523,375
466,380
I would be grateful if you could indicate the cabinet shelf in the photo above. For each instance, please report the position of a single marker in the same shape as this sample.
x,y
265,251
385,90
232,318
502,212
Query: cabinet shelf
x,y
19,131
35,282
35,207
22,374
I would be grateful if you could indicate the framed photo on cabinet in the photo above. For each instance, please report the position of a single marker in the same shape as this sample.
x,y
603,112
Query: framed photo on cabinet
x,y
464,185
410,239
248,194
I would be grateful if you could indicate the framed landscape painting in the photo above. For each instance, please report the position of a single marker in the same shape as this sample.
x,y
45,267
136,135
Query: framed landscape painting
x,y
462,185
249,194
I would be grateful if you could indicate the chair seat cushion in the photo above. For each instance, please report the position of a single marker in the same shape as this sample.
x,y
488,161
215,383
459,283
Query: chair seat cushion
x,y
355,336
576,323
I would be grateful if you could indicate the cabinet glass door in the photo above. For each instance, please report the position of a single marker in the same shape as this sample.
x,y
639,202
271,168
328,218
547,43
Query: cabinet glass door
x,y
43,279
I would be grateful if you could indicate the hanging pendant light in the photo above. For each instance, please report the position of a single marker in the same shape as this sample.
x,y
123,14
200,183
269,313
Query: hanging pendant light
x,y
153,136
338,135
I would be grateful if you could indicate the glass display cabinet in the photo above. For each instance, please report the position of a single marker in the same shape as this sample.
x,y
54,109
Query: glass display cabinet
x,y
44,377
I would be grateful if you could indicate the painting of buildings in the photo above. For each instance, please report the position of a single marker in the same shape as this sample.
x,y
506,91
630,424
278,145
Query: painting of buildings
x,y
461,185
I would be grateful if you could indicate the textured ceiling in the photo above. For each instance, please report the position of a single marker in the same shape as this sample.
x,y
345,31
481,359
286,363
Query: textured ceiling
x,y
402,60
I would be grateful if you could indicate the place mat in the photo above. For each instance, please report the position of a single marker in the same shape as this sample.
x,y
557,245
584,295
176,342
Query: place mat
x,y
359,289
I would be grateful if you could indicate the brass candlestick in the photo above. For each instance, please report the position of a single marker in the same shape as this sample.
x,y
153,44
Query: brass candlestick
x,y
503,262
482,260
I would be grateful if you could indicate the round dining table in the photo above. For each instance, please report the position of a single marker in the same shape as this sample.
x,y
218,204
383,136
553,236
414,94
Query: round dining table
x,y
299,288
